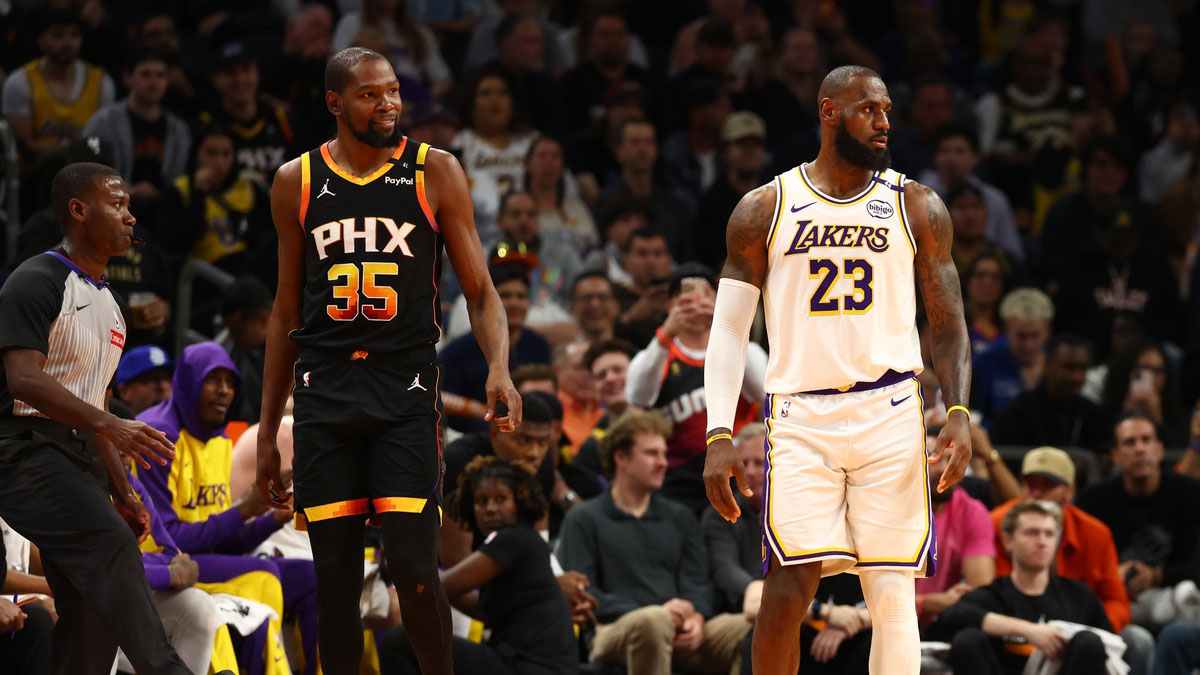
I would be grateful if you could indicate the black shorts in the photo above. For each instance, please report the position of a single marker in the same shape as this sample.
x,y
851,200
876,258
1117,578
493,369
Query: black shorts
x,y
367,432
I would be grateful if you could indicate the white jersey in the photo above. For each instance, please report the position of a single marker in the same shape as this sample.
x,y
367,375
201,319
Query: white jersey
x,y
840,291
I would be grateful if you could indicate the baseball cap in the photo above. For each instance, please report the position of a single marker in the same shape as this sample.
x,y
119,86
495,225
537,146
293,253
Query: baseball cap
x,y
1051,463
140,360
232,53
743,124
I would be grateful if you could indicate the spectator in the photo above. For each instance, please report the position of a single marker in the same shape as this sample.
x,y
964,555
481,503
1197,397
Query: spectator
x,y
492,145
562,219
647,261
1143,378
245,310
518,596
536,96
192,491
592,152
637,154
644,556
712,63
1014,364
1054,412
1016,607
668,375
690,155
1175,155
484,46
1178,650
984,285
437,125
1085,549
785,101
296,74
150,144
408,44
955,158
464,368
557,262
593,305
608,361
262,131
969,216
536,377
144,378
618,221
606,63
735,549
577,392
159,34
915,145
49,100
24,633
965,552
688,42
1151,514
743,155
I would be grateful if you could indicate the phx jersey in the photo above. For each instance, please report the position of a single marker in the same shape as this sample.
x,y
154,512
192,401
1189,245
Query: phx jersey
x,y
840,291
372,255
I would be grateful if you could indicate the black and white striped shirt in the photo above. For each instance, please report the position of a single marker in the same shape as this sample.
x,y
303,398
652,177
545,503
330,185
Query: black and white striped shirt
x,y
50,304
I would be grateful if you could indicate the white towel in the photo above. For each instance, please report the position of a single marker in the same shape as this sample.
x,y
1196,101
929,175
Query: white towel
x,y
1114,648
244,615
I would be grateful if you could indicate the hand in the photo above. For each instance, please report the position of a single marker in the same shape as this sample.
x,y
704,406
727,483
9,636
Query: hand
x,y
955,436
653,299
135,516
679,609
690,635
46,602
253,503
844,618
205,179
1139,580
11,616
752,599
184,571
825,645
936,603
135,439
270,484
581,603
722,461
1047,639
500,387
689,311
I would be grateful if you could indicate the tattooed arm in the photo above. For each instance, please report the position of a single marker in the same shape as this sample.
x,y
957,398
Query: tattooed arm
x,y
725,362
940,289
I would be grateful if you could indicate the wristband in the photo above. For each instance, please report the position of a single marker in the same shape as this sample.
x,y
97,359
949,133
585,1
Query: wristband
x,y
959,407
716,437
662,337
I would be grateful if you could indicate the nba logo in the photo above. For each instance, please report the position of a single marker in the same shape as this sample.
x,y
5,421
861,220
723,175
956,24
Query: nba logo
x,y
786,405
306,374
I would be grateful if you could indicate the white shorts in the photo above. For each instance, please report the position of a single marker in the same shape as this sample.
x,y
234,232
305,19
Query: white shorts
x,y
847,481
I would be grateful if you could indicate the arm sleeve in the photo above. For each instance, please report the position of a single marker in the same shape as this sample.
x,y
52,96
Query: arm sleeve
x,y
644,379
694,584
29,303
728,574
755,379
577,551
725,362
189,537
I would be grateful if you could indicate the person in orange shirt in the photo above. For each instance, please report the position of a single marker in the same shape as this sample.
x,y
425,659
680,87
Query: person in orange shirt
x,y
578,393
1086,550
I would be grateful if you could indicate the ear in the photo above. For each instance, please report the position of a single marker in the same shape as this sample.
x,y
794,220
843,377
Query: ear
x,y
333,102
827,110
78,209
1006,542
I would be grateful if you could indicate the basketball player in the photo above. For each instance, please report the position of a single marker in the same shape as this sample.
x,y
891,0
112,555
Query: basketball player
x,y
362,221
838,248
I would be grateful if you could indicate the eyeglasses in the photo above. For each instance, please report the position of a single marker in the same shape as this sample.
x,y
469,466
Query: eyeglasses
x,y
593,297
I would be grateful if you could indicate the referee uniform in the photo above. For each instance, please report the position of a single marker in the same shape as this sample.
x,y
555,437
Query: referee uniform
x,y
55,485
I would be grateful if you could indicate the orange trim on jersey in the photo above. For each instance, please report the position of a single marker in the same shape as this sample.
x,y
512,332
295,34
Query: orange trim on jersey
x,y
350,507
399,504
305,183
349,177
421,198
677,353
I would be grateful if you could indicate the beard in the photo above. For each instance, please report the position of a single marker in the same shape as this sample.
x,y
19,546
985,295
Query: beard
x,y
858,153
376,139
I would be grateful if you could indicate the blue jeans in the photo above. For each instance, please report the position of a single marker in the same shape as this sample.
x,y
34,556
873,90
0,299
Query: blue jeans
x,y
1178,650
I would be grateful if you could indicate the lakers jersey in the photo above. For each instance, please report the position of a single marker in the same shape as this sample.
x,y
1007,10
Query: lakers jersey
x,y
57,119
372,254
840,291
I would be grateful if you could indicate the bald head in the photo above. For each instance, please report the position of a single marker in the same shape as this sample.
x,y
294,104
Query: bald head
x,y
75,181
337,69
842,78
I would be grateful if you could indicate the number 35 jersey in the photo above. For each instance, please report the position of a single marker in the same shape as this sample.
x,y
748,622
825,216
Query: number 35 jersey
x,y
372,254
840,293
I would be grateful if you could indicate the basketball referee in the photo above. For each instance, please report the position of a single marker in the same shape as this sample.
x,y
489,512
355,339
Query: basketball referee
x,y
61,335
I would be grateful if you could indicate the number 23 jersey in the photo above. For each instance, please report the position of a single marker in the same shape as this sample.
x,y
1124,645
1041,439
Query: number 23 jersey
x,y
840,291
372,254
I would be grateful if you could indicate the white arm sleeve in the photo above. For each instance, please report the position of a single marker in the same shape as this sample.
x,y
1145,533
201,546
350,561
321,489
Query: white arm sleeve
x,y
643,381
725,361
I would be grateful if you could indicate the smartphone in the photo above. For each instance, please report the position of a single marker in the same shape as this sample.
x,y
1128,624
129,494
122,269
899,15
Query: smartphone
x,y
697,285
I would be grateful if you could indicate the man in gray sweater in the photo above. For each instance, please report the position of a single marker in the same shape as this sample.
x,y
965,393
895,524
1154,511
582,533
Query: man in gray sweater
x,y
645,558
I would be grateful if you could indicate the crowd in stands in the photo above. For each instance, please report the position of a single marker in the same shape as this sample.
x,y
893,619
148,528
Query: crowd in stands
x,y
606,143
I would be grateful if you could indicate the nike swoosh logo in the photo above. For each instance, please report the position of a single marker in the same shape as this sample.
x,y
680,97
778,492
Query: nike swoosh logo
x,y
895,402
797,209
79,308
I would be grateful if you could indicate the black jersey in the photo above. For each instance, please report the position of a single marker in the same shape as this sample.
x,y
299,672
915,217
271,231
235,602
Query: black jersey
x,y
373,255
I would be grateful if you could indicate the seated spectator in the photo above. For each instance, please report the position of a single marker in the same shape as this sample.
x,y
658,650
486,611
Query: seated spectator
x,y
151,144
1015,608
507,582
644,556
643,302
735,549
1178,650
408,44
536,95
143,378
295,73
536,377
743,156
577,390
592,150
484,45
245,310
785,101
1085,548
192,491
1143,378
668,375
1014,363
608,361
915,139
968,214
619,220
1151,513
557,262
689,157
984,286
965,552
1174,157
1054,412
606,61
593,305
563,219
24,633
955,159
464,368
